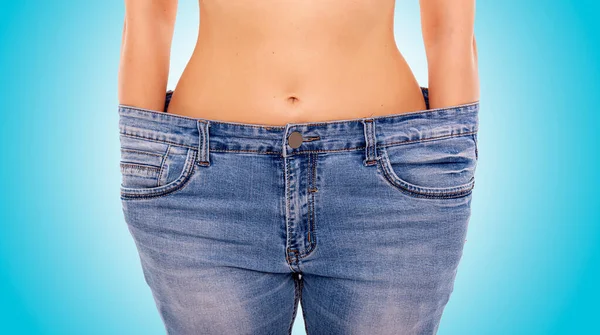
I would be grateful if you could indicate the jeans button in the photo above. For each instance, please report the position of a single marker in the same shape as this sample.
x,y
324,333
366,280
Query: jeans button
x,y
295,139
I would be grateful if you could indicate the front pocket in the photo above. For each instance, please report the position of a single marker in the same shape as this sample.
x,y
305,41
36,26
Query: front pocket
x,y
140,168
439,168
151,169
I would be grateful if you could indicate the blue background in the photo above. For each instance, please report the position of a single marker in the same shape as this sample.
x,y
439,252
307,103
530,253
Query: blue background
x,y
531,263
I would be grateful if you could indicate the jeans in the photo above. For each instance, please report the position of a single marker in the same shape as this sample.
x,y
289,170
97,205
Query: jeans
x,y
361,221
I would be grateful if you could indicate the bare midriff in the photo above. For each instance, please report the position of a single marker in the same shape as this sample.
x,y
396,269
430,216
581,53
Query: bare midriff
x,y
278,62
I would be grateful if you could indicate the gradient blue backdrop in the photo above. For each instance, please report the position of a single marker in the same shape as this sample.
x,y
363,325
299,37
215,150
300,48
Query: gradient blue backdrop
x,y
531,264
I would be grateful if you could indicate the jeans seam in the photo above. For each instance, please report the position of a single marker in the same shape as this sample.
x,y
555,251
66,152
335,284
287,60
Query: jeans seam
x,y
304,151
312,174
476,146
302,303
297,294
287,217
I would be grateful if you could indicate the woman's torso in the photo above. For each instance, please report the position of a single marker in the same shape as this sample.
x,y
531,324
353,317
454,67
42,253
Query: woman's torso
x,y
278,62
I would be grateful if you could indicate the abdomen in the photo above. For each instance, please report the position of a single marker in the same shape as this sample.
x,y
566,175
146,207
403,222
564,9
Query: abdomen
x,y
270,62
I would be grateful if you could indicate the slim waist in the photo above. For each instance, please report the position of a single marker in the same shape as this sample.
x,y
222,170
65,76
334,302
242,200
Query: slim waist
x,y
327,136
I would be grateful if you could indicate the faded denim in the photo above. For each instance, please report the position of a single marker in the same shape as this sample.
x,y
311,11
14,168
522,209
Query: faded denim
x,y
363,224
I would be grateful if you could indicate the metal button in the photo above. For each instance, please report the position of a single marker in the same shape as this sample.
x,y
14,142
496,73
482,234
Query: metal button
x,y
295,139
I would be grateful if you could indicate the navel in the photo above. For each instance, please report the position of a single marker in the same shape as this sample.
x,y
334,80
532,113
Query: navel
x,y
293,100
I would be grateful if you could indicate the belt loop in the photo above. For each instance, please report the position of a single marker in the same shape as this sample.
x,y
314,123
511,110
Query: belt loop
x,y
203,143
371,142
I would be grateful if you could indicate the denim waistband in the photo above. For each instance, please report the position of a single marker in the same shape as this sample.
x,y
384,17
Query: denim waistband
x,y
326,136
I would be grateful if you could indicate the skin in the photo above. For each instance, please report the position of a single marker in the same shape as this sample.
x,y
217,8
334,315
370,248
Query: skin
x,y
274,62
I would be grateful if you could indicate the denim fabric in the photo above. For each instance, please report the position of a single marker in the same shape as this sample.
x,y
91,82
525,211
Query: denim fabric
x,y
363,223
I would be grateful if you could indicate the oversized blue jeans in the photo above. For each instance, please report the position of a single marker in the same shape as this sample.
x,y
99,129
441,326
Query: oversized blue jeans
x,y
361,221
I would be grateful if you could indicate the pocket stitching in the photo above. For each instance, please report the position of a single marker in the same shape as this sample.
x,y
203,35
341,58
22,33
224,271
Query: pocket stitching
x,y
162,166
125,164
141,152
420,191
155,192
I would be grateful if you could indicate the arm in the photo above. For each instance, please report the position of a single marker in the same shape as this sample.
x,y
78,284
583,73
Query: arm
x,y
448,34
145,52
